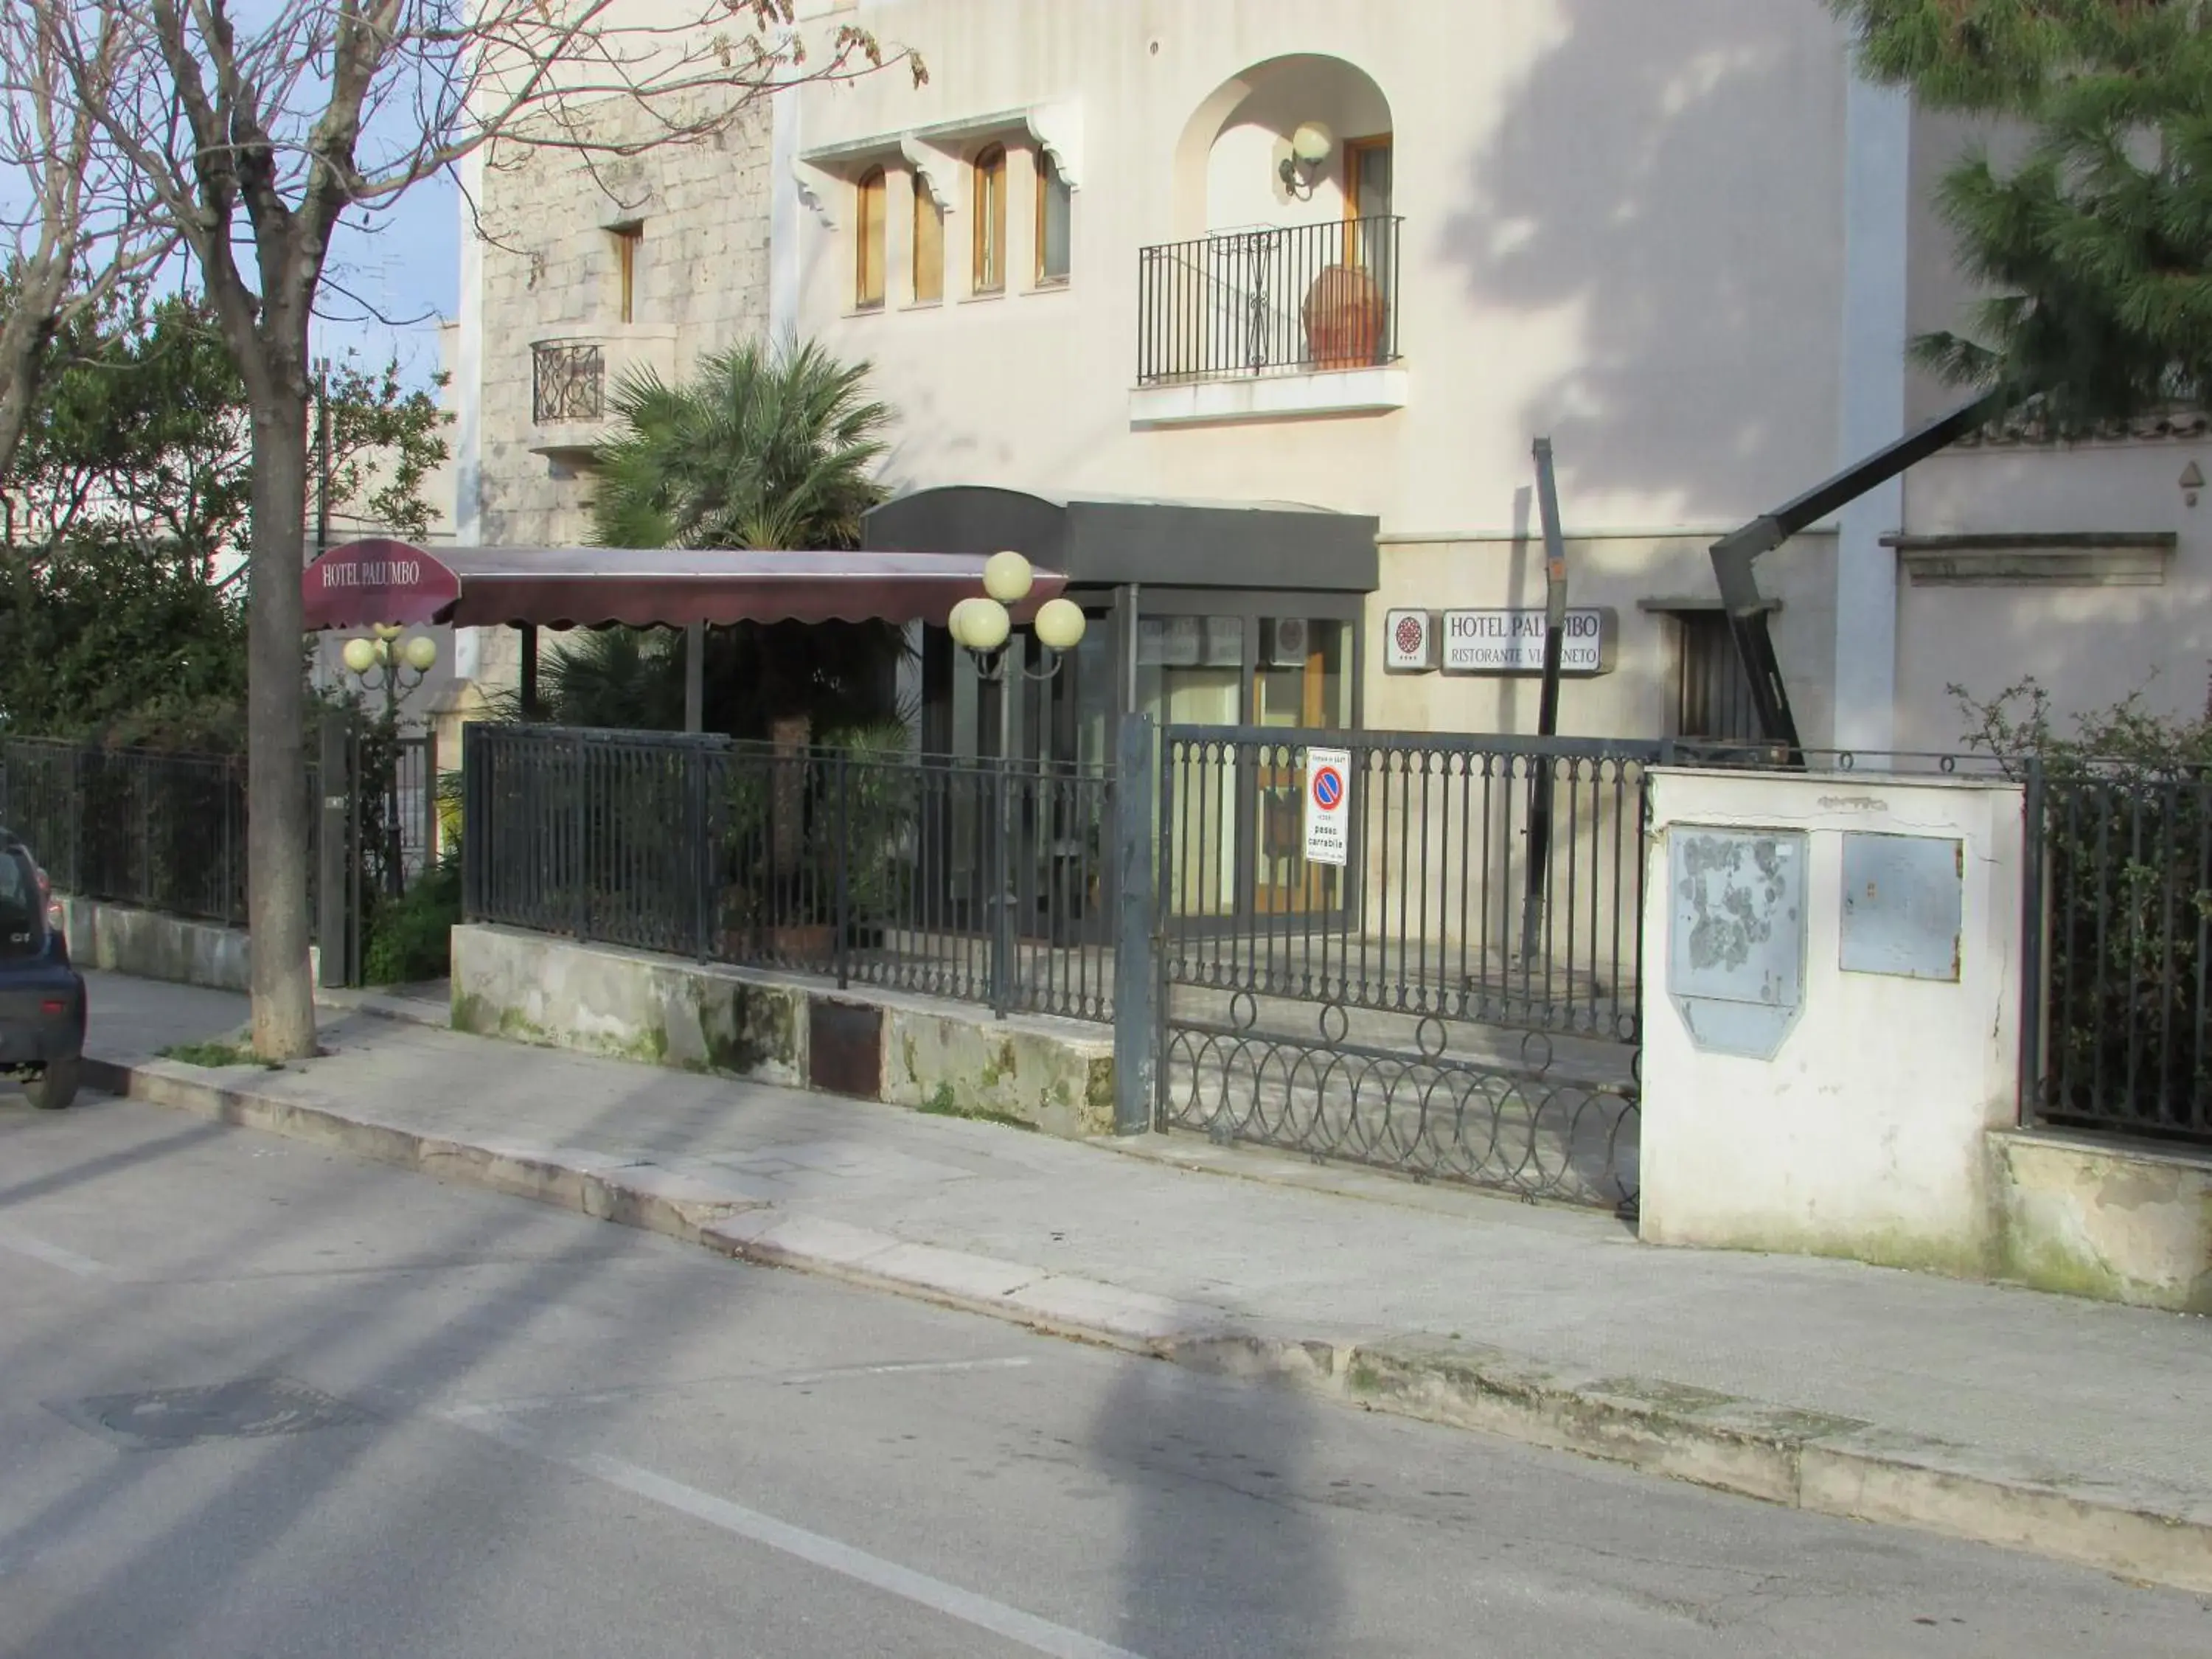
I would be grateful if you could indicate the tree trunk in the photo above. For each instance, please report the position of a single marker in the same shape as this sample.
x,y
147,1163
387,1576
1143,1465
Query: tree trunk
x,y
25,338
277,791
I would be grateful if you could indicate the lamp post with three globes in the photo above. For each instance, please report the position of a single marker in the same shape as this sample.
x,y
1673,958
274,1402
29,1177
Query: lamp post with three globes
x,y
982,626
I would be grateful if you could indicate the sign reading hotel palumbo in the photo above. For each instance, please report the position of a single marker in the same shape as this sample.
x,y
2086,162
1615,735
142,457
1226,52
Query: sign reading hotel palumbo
x,y
1496,641
378,580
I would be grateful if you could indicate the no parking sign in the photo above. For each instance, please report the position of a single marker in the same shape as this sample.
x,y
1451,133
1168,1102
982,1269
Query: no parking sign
x,y
1328,806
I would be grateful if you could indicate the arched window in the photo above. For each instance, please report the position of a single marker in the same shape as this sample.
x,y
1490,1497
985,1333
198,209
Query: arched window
x,y
869,198
990,193
1054,211
928,246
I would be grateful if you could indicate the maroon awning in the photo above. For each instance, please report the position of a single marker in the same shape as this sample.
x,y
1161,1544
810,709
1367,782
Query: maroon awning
x,y
367,582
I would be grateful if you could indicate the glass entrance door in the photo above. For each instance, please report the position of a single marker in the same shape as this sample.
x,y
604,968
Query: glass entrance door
x,y
1303,684
1190,672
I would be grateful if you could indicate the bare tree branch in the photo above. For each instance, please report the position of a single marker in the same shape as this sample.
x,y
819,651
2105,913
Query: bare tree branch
x,y
252,143
79,229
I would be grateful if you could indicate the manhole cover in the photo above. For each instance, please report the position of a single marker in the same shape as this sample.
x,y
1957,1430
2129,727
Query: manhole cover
x,y
222,1411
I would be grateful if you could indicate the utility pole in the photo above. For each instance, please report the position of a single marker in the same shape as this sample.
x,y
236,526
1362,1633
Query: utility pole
x,y
322,489
322,458
1547,712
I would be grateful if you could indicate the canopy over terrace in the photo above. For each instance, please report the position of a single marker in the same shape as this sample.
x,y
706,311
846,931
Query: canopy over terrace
x,y
364,583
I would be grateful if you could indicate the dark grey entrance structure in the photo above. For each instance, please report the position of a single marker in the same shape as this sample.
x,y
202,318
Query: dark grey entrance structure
x,y
1201,612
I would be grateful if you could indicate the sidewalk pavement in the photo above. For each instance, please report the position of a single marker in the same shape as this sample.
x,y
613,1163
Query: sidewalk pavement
x,y
2073,1428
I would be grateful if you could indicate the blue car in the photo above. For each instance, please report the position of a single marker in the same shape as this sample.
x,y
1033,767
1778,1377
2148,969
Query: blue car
x,y
42,1000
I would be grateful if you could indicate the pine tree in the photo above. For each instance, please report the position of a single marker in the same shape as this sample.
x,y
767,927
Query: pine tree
x,y
2096,244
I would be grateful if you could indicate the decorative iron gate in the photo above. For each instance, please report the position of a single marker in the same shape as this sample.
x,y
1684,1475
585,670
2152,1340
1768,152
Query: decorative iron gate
x,y
1458,1001
376,832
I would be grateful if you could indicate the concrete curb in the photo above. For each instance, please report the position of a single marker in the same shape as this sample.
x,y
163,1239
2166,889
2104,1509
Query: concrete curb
x,y
1828,1465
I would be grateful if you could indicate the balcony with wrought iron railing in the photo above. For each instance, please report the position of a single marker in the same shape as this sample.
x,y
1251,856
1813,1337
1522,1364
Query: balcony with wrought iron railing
x,y
1264,322
568,382
575,379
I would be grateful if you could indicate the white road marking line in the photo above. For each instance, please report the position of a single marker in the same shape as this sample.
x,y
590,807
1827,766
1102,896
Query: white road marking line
x,y
1038,1635
53,1255
514,1404
909,1368
540,1402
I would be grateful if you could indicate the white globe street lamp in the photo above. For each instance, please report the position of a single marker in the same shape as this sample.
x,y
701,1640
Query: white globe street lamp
x,y
1060,624
1007,577
382,662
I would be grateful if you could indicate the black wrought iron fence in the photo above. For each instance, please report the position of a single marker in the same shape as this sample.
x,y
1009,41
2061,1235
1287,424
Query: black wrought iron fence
x,y
145,828
2118,1021
395,820
949,877
1446,982
1449,903
1283,300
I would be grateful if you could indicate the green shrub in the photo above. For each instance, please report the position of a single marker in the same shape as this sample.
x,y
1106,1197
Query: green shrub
x,y
409,938
2126,841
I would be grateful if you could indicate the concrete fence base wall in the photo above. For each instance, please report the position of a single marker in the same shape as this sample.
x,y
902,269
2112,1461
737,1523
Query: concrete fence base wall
x,y
1879,1122
2123,1222
121,940
1052,1075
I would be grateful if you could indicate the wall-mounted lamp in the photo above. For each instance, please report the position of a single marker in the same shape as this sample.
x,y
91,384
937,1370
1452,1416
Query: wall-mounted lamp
x,y
1311,146
2192,482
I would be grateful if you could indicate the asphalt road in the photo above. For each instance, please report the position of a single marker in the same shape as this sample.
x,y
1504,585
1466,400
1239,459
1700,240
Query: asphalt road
x,y
258,1400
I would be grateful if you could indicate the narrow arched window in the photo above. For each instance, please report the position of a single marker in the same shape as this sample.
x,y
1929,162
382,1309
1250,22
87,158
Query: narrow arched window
x,y
1054,214
928,246
990,192
869,198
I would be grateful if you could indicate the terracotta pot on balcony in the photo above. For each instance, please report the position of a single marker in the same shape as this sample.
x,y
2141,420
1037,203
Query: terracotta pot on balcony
x,y
1344,318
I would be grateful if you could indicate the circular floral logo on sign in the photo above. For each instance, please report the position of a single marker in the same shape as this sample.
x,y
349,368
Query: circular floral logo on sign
x,y
1410,631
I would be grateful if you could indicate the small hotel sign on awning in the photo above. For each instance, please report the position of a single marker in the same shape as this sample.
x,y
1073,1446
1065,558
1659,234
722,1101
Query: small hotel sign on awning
x,y
376,580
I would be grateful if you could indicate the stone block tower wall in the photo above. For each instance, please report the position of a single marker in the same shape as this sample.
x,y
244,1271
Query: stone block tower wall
x,y
552,268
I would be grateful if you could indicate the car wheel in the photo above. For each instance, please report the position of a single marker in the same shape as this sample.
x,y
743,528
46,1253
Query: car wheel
x,y
55,1087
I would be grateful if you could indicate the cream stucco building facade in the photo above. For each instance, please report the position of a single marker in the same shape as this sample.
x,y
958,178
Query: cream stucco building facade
x,y
1359,258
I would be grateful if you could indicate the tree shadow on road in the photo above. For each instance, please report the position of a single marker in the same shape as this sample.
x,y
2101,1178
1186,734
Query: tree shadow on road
x,y
1218,1555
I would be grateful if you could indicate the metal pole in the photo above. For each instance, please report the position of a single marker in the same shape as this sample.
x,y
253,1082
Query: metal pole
x,y
1547,713
696,836
530,671
1136,1013
356,850
1002,871
332,888
579,863
476,823
2031,923
432,823
695,677
322,458
844,878
1156,941
322,667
